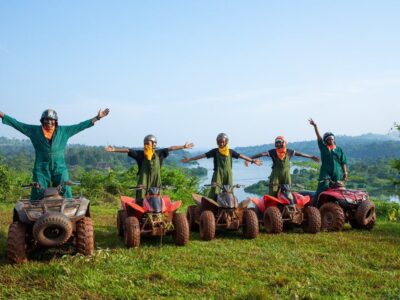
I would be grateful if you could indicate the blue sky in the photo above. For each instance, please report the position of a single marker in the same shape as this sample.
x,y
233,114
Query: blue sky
x,y
187,70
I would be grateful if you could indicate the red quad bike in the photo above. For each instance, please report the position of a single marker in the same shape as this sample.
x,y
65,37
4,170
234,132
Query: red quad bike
x,y
225,213
157,217
339,205
49,222
289,209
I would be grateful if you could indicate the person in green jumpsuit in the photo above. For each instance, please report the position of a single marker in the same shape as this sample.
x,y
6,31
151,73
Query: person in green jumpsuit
x,y
49,141
333,166
149,161
281,157
222,164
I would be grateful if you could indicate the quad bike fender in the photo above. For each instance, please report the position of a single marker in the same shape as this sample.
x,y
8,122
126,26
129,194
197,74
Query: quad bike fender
x,y
272,201
259,203
171,206
84,208
301,200
244,203
197,198
133,209
20,215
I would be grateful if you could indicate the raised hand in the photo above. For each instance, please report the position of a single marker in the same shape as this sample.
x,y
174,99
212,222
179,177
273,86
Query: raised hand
x,y
102,113
185,159
188,145
312,122
316,159
109,149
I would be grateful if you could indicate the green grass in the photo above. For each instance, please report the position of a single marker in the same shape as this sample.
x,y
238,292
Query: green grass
x,y
350,264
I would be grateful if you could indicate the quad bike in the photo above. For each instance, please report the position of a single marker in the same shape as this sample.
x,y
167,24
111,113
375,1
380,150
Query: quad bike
x,y
157,217
224,213
287,209
339,205
49,222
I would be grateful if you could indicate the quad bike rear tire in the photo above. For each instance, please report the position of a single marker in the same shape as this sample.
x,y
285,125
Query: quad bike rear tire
x,y
180,234
16,243
365,212
84,236
121,216
312,220
52,230
207,225
250,224
332,217
273,222
191,218
132,232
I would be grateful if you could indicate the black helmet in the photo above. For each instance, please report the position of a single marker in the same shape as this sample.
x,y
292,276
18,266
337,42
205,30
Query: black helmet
x,y
151,138
328,134
49,114
222,136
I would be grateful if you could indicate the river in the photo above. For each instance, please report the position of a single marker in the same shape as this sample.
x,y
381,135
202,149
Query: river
x,y
241,175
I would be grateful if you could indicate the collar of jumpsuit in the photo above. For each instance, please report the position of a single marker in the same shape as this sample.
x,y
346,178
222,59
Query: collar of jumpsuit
x,y
48,133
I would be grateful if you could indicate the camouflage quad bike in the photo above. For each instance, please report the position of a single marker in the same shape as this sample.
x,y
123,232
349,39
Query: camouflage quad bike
x,y
49,222
225,213
339,205
157,217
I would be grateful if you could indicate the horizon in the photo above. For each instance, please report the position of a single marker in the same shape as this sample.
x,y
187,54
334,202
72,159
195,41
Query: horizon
x,y
186,71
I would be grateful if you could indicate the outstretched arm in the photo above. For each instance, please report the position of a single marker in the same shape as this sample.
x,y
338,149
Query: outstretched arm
x,y
118,150
246,163
101,114
313,157
251,160
187,159
25,129
74,129
315,128
186,146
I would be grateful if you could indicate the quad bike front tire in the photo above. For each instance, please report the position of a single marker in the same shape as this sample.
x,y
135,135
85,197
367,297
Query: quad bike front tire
x,y
312,220
16,243
180,234
132,232
121,216
365,213
273,222
52,230
84,236
207,225
332,217
191,218
250,224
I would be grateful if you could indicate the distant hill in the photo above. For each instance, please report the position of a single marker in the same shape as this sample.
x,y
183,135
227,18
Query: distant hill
x,y
20,153
367,146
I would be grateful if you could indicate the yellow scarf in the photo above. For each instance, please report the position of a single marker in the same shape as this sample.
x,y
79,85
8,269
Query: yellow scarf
x,y
48,133
148,152
224,150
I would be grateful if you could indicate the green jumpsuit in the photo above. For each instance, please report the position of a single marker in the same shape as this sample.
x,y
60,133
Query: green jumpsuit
x,y
149,176
331,167
280,171
222,173
50,168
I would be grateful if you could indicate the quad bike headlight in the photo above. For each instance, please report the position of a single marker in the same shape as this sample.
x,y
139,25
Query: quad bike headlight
x,y
70,211
34,214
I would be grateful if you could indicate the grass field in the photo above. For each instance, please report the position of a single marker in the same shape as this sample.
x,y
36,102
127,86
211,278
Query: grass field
x,y
350,264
